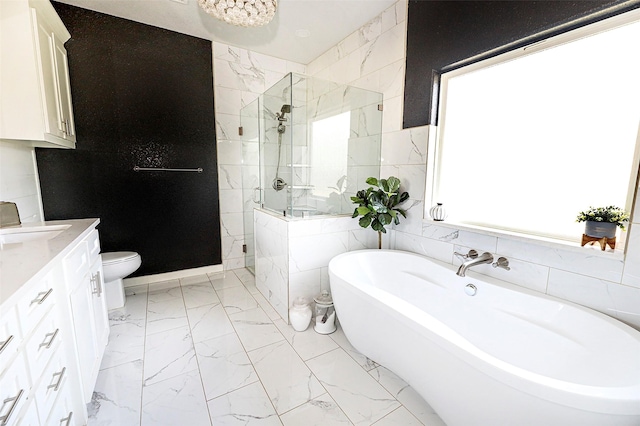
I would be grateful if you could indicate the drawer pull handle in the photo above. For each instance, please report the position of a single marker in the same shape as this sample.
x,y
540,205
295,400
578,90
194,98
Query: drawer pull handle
x,y
67,420
41,297
5,419
59,382
3,345
52,336
97,283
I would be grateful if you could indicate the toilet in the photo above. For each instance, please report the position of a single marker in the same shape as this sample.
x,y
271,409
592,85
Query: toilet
x,y
115,266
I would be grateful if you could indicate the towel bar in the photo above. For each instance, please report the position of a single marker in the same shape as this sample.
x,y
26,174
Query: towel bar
x,y
160,169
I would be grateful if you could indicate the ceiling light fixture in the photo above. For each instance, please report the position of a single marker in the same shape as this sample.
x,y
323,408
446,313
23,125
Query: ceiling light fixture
x,y
244,13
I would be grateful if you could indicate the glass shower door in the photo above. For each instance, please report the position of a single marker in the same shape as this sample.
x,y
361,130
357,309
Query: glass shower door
x,y
276,114
250,125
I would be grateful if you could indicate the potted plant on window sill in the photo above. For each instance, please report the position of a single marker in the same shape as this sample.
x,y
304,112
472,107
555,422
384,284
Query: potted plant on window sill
x,y
378,206
602,222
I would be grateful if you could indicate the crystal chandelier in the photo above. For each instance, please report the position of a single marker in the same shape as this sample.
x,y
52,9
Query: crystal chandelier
x,y
244,13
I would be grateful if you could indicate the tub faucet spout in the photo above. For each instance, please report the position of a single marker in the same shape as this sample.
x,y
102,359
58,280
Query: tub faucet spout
x,y
485,257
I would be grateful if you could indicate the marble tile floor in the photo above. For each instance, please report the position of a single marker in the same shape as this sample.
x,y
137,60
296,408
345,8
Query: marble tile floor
x,y
210,350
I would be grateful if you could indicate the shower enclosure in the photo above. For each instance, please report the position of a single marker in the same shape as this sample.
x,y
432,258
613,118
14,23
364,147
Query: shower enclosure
x,y
319,142
308,146
250,135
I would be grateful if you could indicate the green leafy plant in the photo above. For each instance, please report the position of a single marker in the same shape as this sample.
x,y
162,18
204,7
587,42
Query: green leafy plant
x,y
378,204
610,214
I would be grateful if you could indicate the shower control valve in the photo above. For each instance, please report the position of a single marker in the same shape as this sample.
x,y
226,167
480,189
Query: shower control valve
x,y
471,255
502,262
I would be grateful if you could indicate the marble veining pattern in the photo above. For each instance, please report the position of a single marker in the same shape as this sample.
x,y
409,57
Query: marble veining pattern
x,y
236,362
224,365
288,391
322,408
176,401
168,354
117,395
363,400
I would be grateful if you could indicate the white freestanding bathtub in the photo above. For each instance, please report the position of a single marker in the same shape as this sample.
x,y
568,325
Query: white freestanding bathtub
x,y
505,356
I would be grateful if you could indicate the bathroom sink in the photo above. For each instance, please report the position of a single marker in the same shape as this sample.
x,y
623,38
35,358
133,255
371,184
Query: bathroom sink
x,y
30,234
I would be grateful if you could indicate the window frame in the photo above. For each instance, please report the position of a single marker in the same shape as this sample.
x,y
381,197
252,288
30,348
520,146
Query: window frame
x,y
437,131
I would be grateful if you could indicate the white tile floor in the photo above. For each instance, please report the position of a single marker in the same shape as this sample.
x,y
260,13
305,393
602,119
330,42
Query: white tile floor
x,y
210,350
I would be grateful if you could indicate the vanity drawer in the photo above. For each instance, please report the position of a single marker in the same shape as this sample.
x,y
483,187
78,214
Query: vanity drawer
x,y
29,415
37,302
52,385
42,344
77,263
62,413
10,337
14,390
93,243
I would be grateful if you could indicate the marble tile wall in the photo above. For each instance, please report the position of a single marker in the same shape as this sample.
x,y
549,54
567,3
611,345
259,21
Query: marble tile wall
x,y
292,255
19,179
578,274
240,76
313,243
373,58
272,260
342,157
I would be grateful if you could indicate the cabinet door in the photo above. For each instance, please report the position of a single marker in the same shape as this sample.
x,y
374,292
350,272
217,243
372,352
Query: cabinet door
x,y
45,51
81,299
65,109
100,312
54,84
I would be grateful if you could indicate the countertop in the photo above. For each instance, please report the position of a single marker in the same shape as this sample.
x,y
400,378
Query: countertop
x,y
21,263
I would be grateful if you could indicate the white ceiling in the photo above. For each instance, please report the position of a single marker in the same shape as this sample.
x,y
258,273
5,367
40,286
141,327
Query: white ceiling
x,y
327,21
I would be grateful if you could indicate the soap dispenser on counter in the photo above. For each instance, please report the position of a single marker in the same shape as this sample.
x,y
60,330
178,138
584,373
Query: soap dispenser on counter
x,y
9,215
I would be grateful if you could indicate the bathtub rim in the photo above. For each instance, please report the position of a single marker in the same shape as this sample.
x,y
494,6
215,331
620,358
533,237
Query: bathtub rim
x,y
623,398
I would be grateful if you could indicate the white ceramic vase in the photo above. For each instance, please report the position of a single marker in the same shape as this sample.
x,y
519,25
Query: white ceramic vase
x,y
300,314
438,213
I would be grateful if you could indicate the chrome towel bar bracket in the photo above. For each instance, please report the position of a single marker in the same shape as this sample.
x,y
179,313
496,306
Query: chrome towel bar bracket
x,y
160,169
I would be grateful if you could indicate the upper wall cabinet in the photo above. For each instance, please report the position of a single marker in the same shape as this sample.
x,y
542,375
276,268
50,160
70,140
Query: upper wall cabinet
x,y
35,105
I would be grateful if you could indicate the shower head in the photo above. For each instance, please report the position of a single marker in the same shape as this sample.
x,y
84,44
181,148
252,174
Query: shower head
x,y
286,109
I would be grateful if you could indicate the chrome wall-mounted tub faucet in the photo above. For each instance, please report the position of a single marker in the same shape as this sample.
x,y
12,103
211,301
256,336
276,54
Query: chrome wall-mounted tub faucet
x,y
485,257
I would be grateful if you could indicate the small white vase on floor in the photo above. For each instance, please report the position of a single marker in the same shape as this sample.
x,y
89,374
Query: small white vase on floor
x,y
300,314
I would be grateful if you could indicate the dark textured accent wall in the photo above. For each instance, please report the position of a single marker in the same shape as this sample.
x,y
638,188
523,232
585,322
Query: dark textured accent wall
x,y
440,33
141,96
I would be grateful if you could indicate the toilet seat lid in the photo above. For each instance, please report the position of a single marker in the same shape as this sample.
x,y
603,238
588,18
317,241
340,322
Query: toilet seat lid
x,y
118,256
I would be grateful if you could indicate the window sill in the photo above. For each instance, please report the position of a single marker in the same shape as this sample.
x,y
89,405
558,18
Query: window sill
x,y
552,243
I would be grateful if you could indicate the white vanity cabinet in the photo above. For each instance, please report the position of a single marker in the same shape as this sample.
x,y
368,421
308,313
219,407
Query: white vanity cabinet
x,y
34,370
53,327
36,95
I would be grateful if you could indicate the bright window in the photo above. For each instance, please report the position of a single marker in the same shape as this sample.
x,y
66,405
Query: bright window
x,y
330,144
528,139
